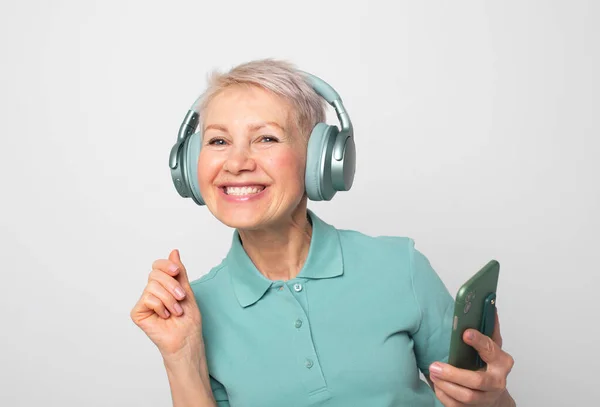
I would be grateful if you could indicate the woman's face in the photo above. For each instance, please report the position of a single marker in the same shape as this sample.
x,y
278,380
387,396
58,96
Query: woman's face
x,y
252,162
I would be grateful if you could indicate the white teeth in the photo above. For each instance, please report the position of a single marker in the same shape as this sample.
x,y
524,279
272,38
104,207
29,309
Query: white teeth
x,y
243,190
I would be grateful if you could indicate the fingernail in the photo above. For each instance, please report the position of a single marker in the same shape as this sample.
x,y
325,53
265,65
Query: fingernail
x,y
173,268
435,369
178,308
179,293
470,335
167,313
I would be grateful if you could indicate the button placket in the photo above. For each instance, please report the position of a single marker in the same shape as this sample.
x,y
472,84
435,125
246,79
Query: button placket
x,y
306,355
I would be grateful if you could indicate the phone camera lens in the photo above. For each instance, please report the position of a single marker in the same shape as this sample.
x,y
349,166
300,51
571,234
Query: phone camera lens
x,y
467,306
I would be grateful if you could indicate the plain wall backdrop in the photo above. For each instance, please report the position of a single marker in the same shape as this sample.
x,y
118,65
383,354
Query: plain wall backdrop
x,y
476,131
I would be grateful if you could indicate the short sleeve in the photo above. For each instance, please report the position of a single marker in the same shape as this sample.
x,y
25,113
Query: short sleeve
x,y
436,305
219,393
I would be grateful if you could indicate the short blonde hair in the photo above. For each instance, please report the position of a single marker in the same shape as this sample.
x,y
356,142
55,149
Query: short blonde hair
x,y
278,76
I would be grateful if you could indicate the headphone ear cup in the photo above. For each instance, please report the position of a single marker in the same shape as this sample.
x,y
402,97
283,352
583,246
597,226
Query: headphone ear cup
x,y
191,153
342,172
318,181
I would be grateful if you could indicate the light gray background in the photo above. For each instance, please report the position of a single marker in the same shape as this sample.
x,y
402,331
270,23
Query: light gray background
x,y
477,135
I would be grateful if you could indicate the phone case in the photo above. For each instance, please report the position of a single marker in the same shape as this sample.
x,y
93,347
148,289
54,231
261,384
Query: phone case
x,y
474,308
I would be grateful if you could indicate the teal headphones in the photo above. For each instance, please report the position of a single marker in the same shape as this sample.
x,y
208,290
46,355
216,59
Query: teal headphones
x,y
330,162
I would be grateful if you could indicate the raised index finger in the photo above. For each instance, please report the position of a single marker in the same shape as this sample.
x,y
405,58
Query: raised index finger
x,y
166,265
182,276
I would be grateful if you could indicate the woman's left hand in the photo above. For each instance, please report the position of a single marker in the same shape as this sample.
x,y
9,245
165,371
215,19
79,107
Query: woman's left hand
x,y
484,388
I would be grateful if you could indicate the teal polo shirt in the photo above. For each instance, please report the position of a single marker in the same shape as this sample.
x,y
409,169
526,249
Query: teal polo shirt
x,y
354,328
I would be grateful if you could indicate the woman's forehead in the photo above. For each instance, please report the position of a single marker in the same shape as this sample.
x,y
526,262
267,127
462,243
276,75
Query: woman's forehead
x,y
249,103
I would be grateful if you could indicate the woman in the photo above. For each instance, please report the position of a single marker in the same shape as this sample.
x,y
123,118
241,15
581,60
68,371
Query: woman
x,y
299,313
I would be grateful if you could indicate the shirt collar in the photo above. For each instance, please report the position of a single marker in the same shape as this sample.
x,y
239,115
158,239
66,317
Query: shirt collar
x,y
324,261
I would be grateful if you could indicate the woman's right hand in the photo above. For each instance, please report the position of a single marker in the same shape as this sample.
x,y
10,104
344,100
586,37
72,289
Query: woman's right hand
x,y
167,310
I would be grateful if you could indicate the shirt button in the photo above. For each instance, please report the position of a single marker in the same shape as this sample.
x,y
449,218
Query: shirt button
x,y
308,363
298,323
298,287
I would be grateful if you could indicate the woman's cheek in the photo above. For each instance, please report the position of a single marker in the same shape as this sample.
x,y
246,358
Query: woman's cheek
x,y
287,165
207,170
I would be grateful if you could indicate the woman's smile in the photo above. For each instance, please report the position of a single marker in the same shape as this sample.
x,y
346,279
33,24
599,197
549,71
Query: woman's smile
x,y
242,193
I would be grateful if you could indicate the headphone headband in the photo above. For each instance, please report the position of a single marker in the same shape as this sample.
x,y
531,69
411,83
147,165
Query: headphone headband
x,y
325,90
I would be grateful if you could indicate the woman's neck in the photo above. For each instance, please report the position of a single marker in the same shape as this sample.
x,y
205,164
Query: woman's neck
x,y
280,251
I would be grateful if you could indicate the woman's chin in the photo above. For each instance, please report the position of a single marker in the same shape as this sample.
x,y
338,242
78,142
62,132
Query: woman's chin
x,y
240,218
242,224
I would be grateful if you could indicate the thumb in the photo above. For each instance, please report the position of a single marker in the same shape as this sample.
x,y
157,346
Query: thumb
x,y
182,276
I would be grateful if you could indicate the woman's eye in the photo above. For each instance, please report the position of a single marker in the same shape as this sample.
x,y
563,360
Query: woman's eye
x,y
268,139
217,142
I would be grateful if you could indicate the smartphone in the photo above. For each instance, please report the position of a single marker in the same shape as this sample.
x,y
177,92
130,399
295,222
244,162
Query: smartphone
x,y
474,308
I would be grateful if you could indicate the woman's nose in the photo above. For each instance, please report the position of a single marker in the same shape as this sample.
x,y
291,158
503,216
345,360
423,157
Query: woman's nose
x,y
238,160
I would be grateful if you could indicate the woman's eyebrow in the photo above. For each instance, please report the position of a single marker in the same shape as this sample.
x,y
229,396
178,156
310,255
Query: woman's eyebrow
x,y
216,127
258,126
251,127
